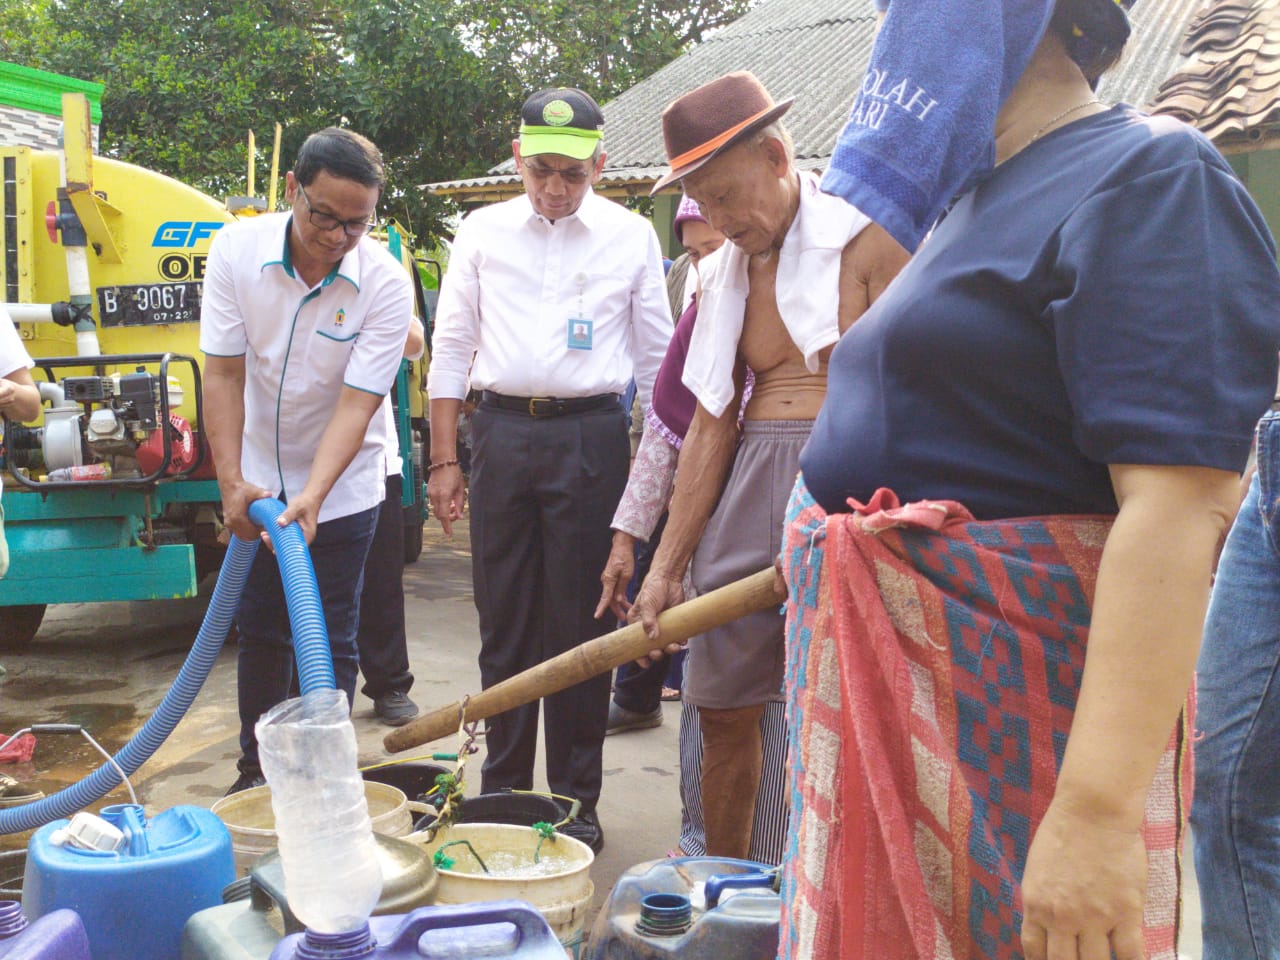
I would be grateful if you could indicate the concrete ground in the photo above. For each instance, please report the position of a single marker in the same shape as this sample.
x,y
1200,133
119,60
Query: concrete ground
x,y
106,666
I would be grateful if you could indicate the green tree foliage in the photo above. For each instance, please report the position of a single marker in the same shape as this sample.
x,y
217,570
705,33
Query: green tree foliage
x,y
602,47
415,87
435,83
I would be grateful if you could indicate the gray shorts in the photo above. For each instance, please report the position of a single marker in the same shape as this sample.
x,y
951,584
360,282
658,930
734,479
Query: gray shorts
x,y
742,663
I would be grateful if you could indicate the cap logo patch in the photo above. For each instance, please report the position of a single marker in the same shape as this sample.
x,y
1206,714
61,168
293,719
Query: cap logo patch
x,y
557,113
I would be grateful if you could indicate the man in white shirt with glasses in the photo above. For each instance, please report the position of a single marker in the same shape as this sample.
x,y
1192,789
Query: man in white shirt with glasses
x,y
303,324
558,295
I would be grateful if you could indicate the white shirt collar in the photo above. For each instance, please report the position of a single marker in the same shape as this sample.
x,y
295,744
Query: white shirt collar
x,y
588,210
273,250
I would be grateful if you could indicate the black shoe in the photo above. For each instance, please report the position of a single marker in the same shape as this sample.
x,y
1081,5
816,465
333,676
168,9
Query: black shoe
x,y
621,719
395,709
587,829
14,793
247,780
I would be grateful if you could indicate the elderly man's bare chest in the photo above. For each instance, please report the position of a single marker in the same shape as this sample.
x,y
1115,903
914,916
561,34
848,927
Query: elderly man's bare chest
x,y
784,386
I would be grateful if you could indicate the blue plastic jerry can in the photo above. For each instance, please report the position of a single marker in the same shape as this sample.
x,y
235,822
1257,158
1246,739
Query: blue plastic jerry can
x,y
134,899
506,929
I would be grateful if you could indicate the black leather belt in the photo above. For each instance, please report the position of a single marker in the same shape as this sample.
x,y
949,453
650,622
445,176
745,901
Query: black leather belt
x,y
550,406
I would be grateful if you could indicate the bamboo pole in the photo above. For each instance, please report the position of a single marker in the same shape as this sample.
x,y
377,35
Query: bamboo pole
x,y
714,609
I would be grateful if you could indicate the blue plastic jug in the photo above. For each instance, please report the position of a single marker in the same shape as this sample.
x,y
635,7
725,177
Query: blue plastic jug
x,y
133,900
679,908
497,929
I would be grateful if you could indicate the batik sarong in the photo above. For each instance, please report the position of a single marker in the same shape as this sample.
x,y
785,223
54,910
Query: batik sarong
x,y
933,667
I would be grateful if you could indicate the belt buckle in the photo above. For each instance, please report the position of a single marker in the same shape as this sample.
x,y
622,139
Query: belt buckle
x,y
532,400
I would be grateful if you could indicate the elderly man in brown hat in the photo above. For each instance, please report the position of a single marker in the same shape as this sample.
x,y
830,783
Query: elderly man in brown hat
x,y
774,303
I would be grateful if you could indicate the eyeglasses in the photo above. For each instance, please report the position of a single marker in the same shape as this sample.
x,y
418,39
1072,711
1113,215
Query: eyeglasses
x,y
328,222
573,176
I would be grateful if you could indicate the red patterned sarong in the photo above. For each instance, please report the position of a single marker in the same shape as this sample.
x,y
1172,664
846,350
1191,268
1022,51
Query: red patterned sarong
x,y
933,667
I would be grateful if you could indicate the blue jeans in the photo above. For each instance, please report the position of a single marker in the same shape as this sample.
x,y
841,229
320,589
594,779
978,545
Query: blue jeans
x,y
264,669
1236,814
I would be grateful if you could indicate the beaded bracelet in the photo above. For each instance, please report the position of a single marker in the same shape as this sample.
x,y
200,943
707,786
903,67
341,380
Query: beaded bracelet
x,y
433,467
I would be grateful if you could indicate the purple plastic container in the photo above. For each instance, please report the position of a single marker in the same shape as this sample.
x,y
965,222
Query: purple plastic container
x,y
55,936
497,929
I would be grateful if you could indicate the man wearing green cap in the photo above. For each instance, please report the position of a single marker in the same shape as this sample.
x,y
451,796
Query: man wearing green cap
x,y
558,295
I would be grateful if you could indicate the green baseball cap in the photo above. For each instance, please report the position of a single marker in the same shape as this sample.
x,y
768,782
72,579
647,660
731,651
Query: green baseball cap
x,y
561,120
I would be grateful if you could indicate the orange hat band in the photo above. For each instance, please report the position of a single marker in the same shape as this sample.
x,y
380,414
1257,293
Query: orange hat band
x,y
716,142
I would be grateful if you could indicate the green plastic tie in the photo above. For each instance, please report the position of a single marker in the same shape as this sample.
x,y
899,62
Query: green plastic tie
x,y
545,831
447,782
464,843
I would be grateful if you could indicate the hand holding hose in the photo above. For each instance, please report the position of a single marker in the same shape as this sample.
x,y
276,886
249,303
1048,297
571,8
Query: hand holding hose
x,y
305,510
237,496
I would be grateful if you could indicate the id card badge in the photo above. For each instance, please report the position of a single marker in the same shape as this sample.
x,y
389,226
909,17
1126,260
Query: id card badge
x,y
580,333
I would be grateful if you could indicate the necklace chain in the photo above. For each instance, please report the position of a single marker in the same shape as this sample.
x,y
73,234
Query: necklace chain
x,y
1060,117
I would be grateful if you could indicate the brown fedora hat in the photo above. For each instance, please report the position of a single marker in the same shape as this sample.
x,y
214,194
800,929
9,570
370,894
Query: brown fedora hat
x,y
708,120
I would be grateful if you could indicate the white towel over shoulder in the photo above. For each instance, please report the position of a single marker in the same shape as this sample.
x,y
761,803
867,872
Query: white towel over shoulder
x,y
808,294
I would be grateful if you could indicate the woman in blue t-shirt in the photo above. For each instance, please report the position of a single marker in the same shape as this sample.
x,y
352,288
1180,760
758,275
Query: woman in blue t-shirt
x,y
1089,330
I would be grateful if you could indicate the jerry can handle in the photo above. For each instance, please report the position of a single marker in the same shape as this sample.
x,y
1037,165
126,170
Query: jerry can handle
x,y
531,928
736,881
265,892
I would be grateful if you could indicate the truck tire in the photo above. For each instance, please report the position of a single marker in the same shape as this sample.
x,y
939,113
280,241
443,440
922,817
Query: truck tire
x,y
19,624
413,524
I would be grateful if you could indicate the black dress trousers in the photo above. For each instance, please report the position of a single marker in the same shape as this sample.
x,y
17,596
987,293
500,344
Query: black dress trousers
x,y
543,492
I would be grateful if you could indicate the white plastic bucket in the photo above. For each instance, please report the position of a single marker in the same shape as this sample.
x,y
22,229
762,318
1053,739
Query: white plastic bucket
x,y
561,897
252,824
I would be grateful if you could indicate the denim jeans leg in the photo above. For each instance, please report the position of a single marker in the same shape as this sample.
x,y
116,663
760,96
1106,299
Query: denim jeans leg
x,y
338,555
1236,812
636,688
384,653
266,659
639,689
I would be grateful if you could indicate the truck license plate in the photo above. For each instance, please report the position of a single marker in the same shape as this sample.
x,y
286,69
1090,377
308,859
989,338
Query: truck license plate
x,y
149,303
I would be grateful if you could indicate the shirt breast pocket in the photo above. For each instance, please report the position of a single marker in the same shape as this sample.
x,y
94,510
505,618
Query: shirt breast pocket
x,y
336,333
329,352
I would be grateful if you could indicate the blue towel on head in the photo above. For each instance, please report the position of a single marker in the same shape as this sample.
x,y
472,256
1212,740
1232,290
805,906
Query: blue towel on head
x,y
923,123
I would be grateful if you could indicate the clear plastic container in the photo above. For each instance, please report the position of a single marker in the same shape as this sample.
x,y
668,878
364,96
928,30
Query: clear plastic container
x,y
307,747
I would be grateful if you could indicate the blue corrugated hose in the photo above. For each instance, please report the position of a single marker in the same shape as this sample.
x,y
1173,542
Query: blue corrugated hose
x,y
310,644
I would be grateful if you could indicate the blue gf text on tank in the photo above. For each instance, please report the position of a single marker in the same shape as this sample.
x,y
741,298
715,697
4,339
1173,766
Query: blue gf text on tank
x,y
184,233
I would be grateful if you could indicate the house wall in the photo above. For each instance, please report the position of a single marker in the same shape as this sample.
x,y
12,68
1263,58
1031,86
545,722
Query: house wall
x,y
31,106
1260,172
664,213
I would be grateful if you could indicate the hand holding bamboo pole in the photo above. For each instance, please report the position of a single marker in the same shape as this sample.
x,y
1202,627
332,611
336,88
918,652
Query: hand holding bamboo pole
x,y
748,595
